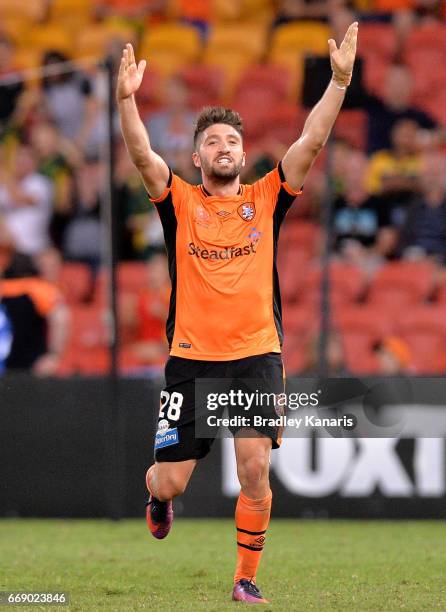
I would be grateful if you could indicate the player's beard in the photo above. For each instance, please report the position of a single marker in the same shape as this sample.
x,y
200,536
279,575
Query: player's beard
x,y
221,174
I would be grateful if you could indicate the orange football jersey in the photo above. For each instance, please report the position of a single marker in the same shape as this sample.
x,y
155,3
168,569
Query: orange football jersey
x,y
225,300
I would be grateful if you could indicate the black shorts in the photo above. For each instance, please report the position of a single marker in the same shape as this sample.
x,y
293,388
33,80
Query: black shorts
x,y
176,438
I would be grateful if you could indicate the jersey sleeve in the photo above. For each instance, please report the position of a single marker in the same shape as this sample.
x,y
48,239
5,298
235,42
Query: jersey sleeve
x,y
275,191
175,192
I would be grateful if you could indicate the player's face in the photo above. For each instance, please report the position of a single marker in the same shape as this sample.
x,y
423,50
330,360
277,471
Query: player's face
x,y
220,152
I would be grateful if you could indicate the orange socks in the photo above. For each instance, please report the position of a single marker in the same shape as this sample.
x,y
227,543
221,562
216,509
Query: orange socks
x,y
251,521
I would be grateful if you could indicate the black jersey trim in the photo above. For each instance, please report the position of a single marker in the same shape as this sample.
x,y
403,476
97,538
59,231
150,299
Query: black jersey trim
x,y
169,222
283,204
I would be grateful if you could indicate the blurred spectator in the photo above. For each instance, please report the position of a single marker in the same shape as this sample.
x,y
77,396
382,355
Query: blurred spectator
x,y
83,238
38,315
395,105
9,94
141,232
393,174
394,356
171,130
424,232
56,160
69,101
149,314
361,228
26,202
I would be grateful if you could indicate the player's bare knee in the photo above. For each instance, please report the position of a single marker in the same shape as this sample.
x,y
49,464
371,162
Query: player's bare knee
x,y
253,472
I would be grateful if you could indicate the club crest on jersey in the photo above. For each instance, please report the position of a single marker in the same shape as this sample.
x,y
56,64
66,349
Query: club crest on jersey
x,y
247,211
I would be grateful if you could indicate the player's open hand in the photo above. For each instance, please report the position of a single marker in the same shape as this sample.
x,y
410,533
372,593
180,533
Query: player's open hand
x,y
130,75
342,59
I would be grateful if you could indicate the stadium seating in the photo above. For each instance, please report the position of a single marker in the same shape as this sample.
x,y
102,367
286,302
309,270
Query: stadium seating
x,y
72,8
249,39
430,35
371,321
303,38
305,235
224,11
16,28
375,75
347,283
169,47
289,45
75,282
377,41
263,88
27,58
95,40
149,95
426,82
260,11
435,104
264,79
87,352
51,37
351,126
401,284
292,62
285,123
424,330
32,11
359,355
205,84
294,353
362,328
231,63
131,275
130,278
292,265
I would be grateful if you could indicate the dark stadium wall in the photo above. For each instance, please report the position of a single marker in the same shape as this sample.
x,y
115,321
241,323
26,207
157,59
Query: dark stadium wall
x,y
80,448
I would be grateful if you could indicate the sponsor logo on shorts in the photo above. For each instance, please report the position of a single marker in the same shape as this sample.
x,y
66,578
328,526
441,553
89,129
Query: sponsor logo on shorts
x,y
247,211
227,253
163,425
166,438
185,345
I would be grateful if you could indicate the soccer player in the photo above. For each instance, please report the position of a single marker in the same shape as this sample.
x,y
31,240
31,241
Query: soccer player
x,y
225,317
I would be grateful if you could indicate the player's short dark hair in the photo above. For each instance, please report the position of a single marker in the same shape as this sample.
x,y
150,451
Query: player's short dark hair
x,y
217,114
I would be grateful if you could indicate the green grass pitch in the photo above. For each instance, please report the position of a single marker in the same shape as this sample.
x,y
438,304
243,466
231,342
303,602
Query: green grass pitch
x,y
321,565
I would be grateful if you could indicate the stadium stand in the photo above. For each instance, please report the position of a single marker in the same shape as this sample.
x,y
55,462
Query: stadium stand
x,y
236,53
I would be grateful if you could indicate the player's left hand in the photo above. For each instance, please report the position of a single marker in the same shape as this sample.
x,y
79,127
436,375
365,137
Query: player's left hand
x,y
342,59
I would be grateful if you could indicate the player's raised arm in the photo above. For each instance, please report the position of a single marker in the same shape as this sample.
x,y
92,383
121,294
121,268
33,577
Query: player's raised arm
x,y
301,155
151,166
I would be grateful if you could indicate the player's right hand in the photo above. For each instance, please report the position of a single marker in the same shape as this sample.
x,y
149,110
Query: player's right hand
x,y
130,75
